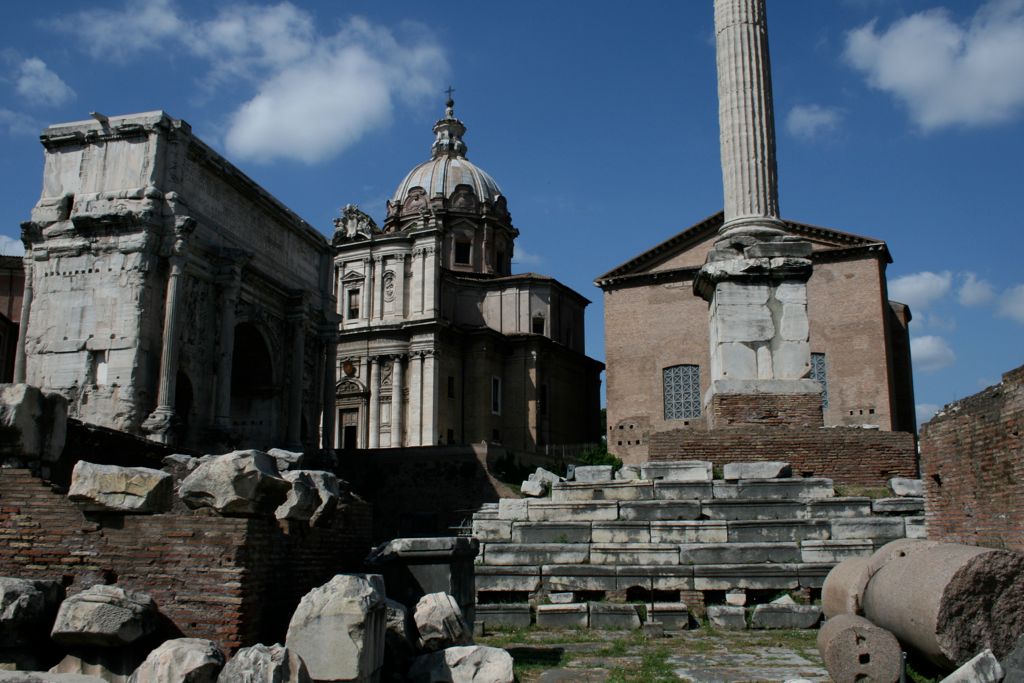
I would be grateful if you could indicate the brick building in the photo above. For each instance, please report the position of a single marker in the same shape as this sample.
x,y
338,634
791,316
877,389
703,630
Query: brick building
x,y
656,337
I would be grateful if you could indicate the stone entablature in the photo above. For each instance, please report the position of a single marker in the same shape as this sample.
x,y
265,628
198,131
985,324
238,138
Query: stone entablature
x,y
151,263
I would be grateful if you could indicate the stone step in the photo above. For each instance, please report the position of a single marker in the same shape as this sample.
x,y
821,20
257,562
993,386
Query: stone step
x,y
899,506
775,489
678,470
683,490
552,511
790,617
504,615
508,578
837,507
674,616
535,553
834,551
590,577
738,553
777,530
492,529
613,616
649,510
573,615
740,509
551,532
690,531
875,528
610,490
634,553
768,576
621,532
915,527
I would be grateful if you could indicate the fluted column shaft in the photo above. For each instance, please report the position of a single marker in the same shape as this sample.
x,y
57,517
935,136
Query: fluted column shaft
x,y
20,358
374,418
397,387
745,115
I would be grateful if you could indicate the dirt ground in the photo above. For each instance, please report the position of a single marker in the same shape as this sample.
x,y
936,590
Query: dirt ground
x,y
699,656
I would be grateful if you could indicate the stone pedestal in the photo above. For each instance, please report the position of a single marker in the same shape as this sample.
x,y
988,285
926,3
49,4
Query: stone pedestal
x,y
414,567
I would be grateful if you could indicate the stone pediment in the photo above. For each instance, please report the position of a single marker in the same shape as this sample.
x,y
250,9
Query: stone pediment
x,y
687,249
349,387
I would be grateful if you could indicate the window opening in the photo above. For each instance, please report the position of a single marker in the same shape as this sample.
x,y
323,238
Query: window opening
x,y
819,374
462,252
681,391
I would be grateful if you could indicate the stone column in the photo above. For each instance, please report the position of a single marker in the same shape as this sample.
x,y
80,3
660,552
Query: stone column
x,y
415,398
746,118
430,428
397,385
364,309
400,286
297,323
373,440
430,277
230,284
329,435
378,287
20,359
161,421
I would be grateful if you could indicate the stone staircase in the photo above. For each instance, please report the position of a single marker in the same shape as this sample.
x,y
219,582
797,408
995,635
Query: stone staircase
x,y
674,539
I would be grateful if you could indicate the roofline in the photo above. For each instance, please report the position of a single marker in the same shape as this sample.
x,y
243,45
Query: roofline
x,y
717,219
487,279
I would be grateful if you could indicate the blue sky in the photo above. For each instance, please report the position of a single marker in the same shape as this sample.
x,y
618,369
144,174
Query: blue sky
x,y
898,119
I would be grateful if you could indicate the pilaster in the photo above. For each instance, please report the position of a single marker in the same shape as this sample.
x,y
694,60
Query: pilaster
x,y
373,426
397,387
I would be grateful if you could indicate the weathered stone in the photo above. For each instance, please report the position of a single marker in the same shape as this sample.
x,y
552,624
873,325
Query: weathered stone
x,y
683,490
182,660
27,608
621,532
1013,663
562,616
775,489
287,460
582,577
628,473
834,551
302,500
536,553
650,510
853,649
399,640
727,617
561,598
949,601
739,553
634,553
111,664
679,470
831,508
513,508
492,529
777,530
775,616
265,664
33,424
751,509
439,623
550,511
684,531
886,528
105,616
916,527
503,578
338,629
606,490
983,668
843,590
241,483
593,473
756,470
765,576
551,532
535,489
674,616
505,615
46,677
108,488
736,598
468,664
902,486
544,475
613,617
900,506
659,577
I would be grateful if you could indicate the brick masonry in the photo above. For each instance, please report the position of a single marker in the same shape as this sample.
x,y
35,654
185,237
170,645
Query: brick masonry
x,y
789,410
235,581
972,462
847,455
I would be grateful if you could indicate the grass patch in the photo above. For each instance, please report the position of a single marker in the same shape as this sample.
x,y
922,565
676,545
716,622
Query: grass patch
x,y
856,490
654,668
535,659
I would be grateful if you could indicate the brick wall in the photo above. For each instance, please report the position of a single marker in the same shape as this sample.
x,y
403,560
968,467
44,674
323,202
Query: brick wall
x,y
972,463
235,581
788,410
848,455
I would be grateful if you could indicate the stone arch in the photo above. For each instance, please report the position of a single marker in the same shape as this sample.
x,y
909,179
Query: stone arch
x,y
254,391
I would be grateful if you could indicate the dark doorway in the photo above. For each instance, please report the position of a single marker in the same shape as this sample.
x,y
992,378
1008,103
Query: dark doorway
x,y
253,393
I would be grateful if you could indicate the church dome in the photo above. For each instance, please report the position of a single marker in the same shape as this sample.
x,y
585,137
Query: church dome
x,y
447,169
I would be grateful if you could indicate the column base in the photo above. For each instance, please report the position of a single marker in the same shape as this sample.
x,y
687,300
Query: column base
x,y
162,425
793,403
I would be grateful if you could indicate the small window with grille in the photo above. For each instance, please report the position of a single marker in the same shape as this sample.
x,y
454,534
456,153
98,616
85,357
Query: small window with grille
x,y
682,391
819,374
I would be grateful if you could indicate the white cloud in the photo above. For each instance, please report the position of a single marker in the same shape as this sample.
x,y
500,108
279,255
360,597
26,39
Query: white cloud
x,y
39,85
10,246
1011,304
119,34
930,353
975,292
17,123
808,121
946,73
522,257
935,321
314,94
920,290
321,104
926,411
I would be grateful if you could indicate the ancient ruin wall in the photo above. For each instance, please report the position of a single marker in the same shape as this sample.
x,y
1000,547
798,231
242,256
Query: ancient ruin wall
x,y
972,463
234,581
847,455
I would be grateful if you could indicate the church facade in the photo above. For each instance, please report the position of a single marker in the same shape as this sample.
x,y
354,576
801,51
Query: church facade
x,y
656,337
438,342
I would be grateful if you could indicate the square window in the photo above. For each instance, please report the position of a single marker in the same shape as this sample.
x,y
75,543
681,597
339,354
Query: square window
x,y
462,252
353,304
681,386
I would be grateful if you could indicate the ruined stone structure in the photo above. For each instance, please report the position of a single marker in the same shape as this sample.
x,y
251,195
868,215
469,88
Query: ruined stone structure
x,y
792,327
972,464
12,287
168,295
439,343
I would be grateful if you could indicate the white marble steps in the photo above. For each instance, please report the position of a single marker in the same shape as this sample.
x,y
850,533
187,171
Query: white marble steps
x,y
638,489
